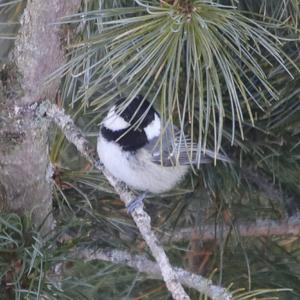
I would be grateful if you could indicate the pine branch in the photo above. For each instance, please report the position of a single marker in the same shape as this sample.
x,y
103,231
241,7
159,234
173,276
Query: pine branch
x,y
141,218
142,264
284,227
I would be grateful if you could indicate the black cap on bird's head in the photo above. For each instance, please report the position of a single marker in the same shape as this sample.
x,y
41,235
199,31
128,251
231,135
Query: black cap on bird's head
x,y
137,112
133,125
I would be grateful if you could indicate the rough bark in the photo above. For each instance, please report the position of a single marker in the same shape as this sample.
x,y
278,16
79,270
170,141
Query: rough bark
x,y
25,183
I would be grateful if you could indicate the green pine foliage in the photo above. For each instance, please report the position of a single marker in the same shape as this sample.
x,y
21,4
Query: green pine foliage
x,y
226,73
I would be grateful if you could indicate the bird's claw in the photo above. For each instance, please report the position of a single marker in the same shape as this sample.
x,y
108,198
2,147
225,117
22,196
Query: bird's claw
x,y
136,202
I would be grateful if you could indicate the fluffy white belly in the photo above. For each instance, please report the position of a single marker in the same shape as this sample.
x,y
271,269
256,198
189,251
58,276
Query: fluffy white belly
x,y
137,170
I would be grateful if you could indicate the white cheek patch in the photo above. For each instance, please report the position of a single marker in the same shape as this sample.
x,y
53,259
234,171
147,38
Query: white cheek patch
x,y
114,122
153,129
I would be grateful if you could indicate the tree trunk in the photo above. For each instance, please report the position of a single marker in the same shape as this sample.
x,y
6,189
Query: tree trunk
x,y
25,170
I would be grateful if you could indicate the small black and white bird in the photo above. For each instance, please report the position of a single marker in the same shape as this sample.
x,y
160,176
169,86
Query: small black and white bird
x,y
129,146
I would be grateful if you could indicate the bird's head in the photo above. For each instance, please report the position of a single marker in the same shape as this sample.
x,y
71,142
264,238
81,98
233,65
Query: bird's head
x,y
137,115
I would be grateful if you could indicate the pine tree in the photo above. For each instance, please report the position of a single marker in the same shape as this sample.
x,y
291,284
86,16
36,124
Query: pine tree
x,y
225,72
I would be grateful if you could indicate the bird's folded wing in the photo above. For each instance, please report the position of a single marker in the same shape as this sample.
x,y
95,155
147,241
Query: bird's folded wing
x,y
178,150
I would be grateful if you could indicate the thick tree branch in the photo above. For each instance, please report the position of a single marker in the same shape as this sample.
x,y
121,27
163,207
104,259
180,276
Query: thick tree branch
x,y
141,218
38,51
142,264
25,181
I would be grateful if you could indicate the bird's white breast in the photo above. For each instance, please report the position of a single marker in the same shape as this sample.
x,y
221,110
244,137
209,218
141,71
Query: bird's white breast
x,y
136,168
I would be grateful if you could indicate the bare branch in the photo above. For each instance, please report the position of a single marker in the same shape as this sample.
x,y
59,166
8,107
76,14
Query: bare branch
x,y
141,218
144,265
287,226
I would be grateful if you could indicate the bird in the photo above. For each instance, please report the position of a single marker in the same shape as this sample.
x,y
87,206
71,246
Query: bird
x,y
133,149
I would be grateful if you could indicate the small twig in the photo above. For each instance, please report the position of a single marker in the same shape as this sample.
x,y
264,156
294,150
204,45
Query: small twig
x,y
141,218
145,265
284,227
